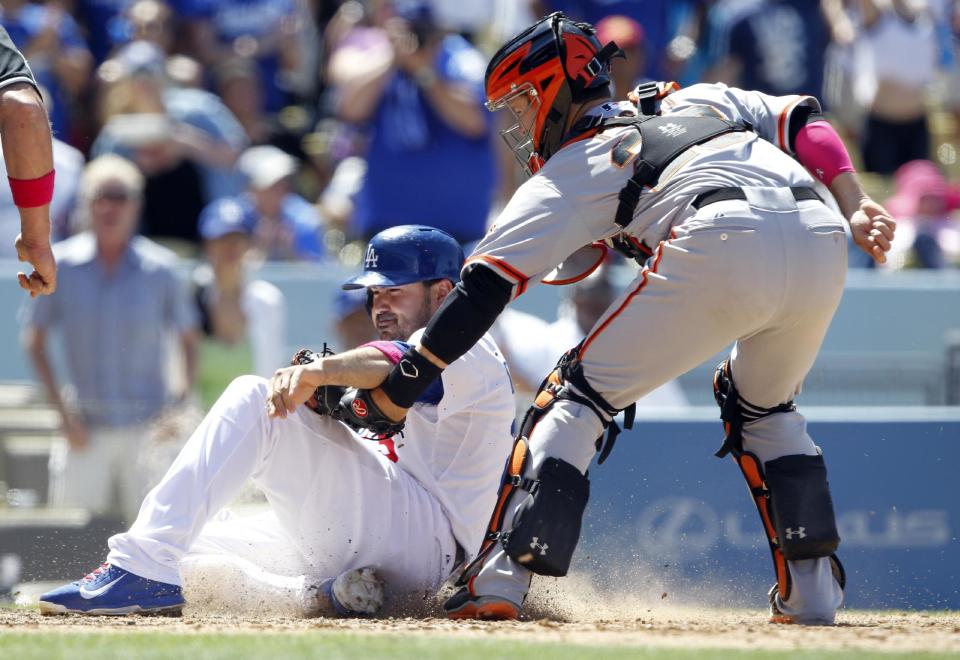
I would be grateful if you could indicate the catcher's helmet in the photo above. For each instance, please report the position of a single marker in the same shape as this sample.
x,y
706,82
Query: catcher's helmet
x,y
556,62
406,254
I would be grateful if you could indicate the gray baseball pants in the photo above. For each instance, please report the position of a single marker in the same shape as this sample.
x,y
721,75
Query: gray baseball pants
x,y
765,274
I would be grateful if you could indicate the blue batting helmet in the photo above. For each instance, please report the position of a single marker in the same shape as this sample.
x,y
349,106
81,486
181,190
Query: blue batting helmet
x,y
406,254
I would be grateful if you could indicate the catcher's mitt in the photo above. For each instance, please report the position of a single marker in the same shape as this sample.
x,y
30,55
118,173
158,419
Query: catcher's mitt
x,y
358,410
326,398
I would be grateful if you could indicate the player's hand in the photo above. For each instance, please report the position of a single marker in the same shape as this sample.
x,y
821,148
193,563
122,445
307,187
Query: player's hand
x,y
43,279
291,387
873,228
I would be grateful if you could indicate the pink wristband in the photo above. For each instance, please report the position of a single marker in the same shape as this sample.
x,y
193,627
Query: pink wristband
x,y
821,151
28,193
388,348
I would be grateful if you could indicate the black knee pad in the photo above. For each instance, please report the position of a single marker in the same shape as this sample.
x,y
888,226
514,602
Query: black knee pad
x,y
547,526
802,507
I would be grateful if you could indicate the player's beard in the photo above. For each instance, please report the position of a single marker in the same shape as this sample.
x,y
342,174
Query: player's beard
x,y
406,326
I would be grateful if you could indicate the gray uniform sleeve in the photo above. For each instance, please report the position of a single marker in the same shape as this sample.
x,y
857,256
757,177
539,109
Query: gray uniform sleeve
x,y
536,231
768,115
13,65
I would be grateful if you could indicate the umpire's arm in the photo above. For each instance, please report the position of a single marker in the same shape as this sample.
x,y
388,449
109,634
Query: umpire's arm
x,y
28,154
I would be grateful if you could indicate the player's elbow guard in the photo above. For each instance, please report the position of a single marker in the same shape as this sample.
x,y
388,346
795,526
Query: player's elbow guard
x,y
467,313
486,289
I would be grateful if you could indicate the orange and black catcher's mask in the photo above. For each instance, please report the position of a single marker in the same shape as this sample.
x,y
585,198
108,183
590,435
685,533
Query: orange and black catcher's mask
x,y
556,63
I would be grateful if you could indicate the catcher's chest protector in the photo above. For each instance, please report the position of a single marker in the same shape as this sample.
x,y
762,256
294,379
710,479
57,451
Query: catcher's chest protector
x,y
656,142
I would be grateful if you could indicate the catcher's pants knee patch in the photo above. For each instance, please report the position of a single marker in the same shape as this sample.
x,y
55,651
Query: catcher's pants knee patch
x,y
567,382
736,411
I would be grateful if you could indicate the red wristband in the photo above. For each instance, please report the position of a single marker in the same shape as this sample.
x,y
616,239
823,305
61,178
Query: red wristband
x,y
28,193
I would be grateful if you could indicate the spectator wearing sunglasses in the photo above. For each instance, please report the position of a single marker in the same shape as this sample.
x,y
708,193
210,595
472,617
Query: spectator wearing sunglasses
x,y
118,302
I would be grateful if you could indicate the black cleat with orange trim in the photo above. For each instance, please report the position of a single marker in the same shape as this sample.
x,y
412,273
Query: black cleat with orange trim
x,y
464,605
776,616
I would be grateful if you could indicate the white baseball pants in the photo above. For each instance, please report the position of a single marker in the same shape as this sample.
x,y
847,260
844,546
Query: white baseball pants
x,y
341,503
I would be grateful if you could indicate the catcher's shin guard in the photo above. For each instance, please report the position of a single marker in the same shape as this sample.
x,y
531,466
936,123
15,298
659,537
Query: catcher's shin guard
x,y
546,528
792,496
512,480
466,603
544,533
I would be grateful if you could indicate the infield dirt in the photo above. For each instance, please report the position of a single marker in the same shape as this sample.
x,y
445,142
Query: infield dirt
x,y
657,626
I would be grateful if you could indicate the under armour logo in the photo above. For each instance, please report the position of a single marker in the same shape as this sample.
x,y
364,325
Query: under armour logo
x,y
536,545
672,129
819,174
800,532
371,259
409,369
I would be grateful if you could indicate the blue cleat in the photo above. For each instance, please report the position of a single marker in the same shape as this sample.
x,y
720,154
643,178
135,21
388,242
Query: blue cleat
x,y
112,590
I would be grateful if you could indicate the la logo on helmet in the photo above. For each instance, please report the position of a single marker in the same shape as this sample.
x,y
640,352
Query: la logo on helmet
x,y
370,261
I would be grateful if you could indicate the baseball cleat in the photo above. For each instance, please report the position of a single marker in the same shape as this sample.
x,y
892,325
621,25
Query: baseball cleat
x,y
776,616
110,590
464,605
358,592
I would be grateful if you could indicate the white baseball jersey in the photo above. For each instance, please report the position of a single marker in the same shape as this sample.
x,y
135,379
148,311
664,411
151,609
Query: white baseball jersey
x,y
541,226
340,501
457,447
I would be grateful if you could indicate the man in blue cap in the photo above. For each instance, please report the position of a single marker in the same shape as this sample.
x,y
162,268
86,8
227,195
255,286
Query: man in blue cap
x,y
244,320
347,509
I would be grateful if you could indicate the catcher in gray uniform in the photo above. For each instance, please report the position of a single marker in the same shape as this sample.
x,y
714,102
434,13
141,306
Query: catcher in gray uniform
x,y
713,190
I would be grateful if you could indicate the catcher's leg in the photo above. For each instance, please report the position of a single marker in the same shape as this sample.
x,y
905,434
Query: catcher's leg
x,y
788,482
653,332
536,523
783,466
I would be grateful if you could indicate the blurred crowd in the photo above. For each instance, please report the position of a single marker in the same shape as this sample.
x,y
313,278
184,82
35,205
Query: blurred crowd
x,y
370,114
242,131
325,121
